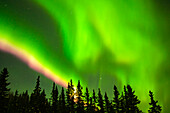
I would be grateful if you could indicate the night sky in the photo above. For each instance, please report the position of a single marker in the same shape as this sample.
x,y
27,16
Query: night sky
x,y
100,42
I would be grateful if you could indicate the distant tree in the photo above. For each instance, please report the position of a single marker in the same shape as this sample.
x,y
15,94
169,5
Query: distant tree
x,y
100,102
10,103
14,103
79,98
116,100
132,101
24,102
107,104
44,107
35,97
87,99
4,90
62,103
70,97
154,107
54,96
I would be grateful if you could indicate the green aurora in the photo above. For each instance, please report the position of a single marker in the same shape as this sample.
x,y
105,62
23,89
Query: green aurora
x,y
100,42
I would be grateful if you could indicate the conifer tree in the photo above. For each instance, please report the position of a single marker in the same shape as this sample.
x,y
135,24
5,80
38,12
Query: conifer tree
x,y
107,104
122,104
37,89
43,102
87,98
126,100
62,103
94,98
100,101
91,106
24,102
10,103
16,102
116,101
132,100
70,97
4,90
35,97
154,107
54,98
80,101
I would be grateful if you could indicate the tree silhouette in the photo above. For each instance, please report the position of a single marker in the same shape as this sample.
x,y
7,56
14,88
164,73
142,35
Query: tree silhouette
x,y
107,104
70,97
87,98
79,99
75,101
54,96
116,100
125,100
154,107
122,104
14,103
91,106
44,106
132,101
94,98
11,102
62,103
35,97
24,102
100,102
4,91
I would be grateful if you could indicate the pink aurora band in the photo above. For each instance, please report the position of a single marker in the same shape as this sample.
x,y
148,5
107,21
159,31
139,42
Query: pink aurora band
x,y
30,61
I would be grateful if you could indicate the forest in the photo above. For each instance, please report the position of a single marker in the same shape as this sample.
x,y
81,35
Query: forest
x,y
71,100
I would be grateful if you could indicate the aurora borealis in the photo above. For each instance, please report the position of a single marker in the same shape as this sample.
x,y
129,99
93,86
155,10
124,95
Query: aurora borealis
x,y
100,42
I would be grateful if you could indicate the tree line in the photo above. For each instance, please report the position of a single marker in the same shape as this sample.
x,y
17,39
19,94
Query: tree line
x,y
73,100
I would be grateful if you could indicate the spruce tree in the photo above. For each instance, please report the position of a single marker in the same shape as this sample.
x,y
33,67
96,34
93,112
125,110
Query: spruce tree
x,y
43,102
116,101
87,98
16,102
126,100
54,98
107,104
62,103
122,104
94,98
100,102
154,107
70,97
10,103
24,102
79,98
91,106
35,97
132,100
94,101
4,90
